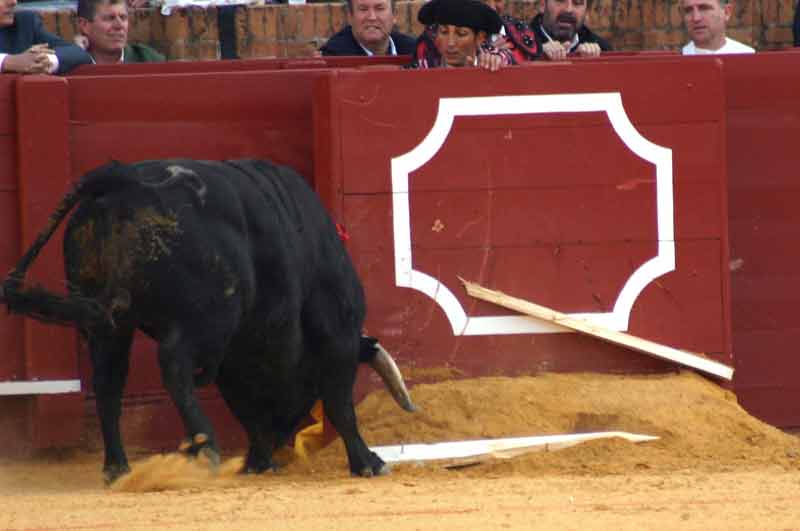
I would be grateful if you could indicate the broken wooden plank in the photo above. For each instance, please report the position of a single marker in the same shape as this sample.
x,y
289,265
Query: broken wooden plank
x,y
695,360
465,452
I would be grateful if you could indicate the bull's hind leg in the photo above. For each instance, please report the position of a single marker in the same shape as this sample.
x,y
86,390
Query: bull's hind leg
x,y
110,352
176,359
337,399
255,421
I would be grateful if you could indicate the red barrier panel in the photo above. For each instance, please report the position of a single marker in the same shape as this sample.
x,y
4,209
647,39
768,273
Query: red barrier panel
x,y
208,116
72,125
259,114
12,364
246,65
549,204
763,114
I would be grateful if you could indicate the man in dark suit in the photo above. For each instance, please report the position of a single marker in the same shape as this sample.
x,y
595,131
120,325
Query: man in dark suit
x,y
796,25
27,48
561,30
370,31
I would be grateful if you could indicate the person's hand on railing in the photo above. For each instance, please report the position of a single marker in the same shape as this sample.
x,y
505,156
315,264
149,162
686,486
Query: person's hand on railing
x,y
34,60
81,40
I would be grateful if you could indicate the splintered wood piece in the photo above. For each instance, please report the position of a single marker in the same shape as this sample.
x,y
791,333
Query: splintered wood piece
x,y
695,360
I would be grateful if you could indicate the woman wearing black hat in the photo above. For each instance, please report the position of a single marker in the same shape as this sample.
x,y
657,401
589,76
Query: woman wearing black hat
x,y
457,35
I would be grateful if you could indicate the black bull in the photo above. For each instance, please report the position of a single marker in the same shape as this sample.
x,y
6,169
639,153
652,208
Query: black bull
x,y
237,271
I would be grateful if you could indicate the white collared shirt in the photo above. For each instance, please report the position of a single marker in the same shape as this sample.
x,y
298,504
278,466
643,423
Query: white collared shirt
x,y
730,46
392,49
121,57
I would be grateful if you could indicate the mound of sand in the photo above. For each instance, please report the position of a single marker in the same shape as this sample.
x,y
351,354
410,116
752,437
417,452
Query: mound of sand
x,y
700,425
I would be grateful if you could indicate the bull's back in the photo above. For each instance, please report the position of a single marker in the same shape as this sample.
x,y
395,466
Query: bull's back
x,y
297,241
180,233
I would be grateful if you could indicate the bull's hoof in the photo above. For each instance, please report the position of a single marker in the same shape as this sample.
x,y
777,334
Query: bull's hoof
x,y
376,467
369,472
112,473
258,462
212,456
200,445
260,468
194,445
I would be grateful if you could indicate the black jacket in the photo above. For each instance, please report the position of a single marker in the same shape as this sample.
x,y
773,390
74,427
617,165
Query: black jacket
x,y
28,30
345,43
796,26
584,35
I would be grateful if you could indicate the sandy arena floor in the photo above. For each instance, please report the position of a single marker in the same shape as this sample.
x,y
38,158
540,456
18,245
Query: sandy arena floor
x,y
715,467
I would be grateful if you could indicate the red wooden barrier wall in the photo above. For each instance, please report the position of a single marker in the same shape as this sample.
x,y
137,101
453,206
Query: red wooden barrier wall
x,y
550,207
70,126
500,195
205,67
14,414
763,113
762,124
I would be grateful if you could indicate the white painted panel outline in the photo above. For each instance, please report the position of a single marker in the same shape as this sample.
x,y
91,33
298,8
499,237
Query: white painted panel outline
x,y
39,387
449,109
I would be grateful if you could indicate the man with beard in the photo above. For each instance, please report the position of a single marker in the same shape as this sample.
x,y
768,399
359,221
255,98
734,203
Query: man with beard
x,y
561,30
27,48
370,31
104,33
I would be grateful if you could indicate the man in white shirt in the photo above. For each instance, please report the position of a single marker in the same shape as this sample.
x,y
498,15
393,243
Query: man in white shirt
x,y
706,21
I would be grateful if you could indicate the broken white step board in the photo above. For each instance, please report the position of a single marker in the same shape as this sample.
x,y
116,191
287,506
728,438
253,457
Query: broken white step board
x,y
495,448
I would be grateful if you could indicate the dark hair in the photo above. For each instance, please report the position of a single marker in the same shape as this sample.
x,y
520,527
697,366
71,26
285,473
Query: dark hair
x,y
87,8
588,3
350,6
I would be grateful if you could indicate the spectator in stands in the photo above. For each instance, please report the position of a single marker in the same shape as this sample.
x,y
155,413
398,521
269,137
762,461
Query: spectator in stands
x,y
27,48
796,25
103,25
370,31
460,30
706,22
515,35
561,30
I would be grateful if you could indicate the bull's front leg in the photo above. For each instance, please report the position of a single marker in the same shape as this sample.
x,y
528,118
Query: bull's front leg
x,y
110,352
337,401
175,357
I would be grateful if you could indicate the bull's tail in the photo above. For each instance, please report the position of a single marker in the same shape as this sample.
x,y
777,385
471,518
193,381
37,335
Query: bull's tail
x,y
35,301
381,361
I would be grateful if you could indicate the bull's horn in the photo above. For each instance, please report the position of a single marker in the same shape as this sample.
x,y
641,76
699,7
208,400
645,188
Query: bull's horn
x,y
385,366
